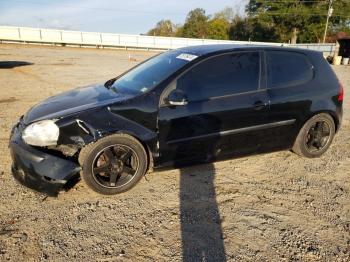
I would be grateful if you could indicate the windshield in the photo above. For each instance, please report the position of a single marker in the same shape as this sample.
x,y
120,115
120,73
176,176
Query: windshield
x,y
150,73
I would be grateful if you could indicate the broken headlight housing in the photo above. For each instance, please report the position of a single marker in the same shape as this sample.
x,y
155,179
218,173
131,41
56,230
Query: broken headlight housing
x,y
41,133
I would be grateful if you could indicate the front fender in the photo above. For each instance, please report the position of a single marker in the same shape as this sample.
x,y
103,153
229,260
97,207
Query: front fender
x,y
87,127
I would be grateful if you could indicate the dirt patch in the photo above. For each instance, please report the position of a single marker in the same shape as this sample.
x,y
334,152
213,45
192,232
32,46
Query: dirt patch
x,y
8,100
271,207
62,64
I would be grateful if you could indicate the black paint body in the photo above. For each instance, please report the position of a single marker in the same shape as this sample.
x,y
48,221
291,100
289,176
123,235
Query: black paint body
x,y
263,120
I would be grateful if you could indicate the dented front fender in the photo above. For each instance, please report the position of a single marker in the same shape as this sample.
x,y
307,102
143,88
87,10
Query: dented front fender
x,y
84,128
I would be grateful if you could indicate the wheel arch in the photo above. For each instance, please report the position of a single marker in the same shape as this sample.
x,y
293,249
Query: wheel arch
x,y
331,113
147,145
329,107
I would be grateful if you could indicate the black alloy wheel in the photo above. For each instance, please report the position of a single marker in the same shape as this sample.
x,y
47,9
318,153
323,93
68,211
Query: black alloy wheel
x,y
115,166
315,136
318,136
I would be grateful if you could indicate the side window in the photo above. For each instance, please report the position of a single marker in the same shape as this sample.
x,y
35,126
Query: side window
x,y
222,75
287,69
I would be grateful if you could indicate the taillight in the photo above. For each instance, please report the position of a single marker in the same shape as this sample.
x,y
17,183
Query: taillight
x,y
341,93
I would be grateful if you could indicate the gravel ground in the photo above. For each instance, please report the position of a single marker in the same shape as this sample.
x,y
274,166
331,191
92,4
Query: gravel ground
x,y
275,207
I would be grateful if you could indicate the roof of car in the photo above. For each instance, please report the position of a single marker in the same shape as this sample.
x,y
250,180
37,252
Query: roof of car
x,y
200,50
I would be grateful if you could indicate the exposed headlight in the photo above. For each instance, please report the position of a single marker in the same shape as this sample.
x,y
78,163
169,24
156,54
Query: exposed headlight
x,y
42,133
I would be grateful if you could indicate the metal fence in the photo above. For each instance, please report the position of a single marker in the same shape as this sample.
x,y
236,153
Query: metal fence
x,y
64,37
327,49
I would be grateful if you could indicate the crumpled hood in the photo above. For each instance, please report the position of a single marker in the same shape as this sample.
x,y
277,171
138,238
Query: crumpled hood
x,y
73,101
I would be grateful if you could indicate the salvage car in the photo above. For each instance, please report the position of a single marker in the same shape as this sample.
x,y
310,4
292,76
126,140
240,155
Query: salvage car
x,y
185,106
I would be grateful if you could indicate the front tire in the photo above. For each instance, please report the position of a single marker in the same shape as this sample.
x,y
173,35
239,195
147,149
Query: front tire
x,y
113,164
315,136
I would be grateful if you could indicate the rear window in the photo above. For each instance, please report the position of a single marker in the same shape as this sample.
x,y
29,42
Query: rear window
x,y
287,69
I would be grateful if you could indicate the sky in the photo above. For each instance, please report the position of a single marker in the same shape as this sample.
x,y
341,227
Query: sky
x,y
114,16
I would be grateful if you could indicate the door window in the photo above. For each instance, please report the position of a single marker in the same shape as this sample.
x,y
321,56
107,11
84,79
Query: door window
x,y
222,75
287,69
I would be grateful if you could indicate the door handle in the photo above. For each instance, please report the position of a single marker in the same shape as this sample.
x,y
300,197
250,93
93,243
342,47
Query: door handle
x,y
258,105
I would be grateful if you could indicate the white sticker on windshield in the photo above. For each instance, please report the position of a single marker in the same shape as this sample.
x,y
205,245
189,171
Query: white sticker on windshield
x,y
187,57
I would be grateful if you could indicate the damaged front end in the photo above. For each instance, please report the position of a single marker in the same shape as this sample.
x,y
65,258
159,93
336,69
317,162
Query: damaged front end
x,y
46,169
74,134
46,142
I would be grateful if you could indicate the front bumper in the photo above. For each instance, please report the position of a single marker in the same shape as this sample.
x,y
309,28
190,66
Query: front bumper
x,y
38,170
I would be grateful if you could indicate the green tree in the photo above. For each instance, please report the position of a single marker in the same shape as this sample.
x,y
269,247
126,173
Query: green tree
x,y
299,20
265,20
196,24
227,13
250,29
340,21
218,28
163,28
179,31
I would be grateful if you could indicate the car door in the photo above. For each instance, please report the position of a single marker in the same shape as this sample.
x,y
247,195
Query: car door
x,y
289,85
223,110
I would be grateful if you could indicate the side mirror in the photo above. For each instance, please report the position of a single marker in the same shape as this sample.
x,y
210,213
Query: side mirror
x,y
177,98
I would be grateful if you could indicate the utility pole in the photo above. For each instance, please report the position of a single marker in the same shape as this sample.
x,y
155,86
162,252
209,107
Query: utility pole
x,y
329,14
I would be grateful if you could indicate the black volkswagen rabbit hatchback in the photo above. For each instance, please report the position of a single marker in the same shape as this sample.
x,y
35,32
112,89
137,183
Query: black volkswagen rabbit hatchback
x,y
190,105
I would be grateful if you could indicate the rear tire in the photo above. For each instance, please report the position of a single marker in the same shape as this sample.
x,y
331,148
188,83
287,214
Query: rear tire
x,y
315,136
113,164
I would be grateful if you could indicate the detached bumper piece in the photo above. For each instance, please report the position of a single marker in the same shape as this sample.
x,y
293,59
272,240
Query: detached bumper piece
x,y
38,170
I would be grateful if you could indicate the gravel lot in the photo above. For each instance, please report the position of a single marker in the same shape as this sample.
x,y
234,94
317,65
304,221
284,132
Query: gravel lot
x,y
275,207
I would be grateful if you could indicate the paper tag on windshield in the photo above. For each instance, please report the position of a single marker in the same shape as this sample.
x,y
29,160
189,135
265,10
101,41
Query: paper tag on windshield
x,y
187,57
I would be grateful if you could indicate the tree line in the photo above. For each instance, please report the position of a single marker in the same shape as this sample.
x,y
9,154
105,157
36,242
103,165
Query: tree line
x,y
264,20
